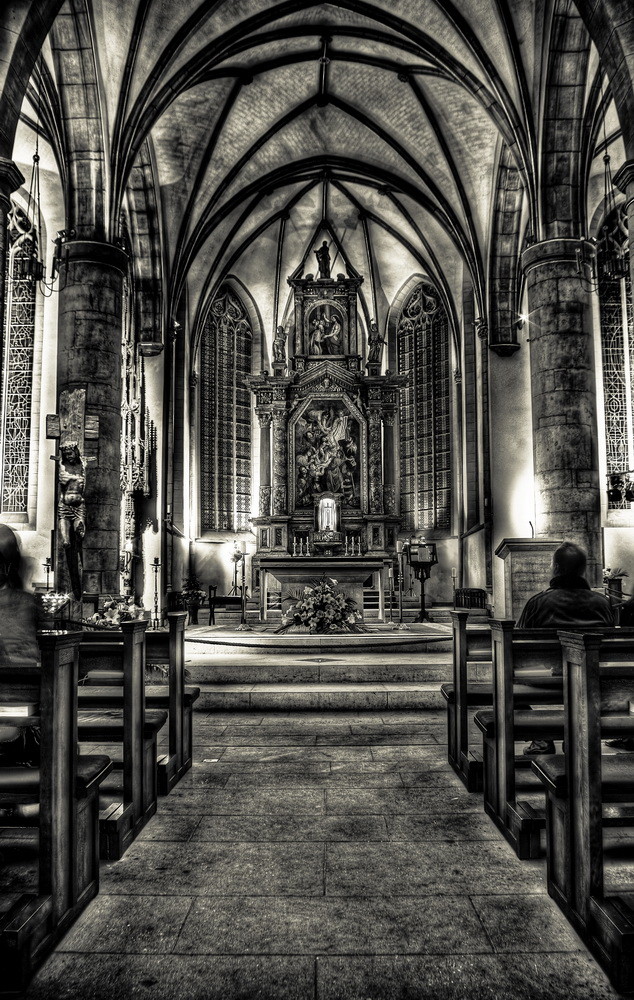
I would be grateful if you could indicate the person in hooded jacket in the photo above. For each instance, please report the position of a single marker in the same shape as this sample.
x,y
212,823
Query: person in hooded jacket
x,y
568,603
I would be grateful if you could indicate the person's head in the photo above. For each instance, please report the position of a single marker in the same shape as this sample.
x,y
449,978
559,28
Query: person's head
x,y
10,559
569,560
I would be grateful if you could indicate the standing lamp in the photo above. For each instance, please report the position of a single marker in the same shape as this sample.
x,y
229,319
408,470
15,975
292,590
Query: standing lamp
x,y
422,556
156,620
243,627
400,546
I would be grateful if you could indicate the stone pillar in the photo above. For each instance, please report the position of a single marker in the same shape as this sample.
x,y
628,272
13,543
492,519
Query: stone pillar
x,y
10,180
265,463
89,356
563,392
389,464
375,465
280,463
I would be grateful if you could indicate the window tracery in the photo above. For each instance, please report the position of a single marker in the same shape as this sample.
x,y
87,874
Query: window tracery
x,y
17,366
617,355
226,415
422,337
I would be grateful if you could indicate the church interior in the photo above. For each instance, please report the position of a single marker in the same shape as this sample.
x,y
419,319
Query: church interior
x,y
316,345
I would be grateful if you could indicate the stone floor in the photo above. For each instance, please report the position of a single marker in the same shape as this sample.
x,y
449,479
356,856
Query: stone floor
x,y
314,857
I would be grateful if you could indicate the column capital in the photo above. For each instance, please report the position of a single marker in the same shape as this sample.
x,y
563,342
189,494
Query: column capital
x,y
624,177
561,250
95,252
10,178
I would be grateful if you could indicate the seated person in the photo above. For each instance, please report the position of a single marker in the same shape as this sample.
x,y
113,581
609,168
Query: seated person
x,y
568,603
18,644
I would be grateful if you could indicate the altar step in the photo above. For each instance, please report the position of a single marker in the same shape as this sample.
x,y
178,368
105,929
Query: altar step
x,y
231,617
312,679
319,697
321,669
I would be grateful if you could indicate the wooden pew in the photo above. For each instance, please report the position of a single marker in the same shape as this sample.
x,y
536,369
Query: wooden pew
x,y
124,720
597,696
527,672
166,649
471,645
63,795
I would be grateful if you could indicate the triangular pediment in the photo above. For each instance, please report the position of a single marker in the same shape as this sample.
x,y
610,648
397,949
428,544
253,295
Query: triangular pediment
x,y
319,374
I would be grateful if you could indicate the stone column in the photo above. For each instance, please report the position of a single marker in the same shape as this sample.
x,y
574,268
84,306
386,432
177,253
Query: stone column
x,y
10,180
265,462
89,356
563,390
280,463
375,464
389,463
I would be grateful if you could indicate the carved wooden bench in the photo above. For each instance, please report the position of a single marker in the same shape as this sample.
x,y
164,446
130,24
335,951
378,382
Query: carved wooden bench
x,y
579,785
121,718
532,658
102,688
60,798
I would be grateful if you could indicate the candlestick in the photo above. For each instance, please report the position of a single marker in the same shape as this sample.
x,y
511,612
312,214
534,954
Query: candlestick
x,y
294,545
156,621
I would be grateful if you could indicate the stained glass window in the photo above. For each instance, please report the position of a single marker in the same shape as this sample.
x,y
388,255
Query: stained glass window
x,y
423,355
17,367
617,355
226,415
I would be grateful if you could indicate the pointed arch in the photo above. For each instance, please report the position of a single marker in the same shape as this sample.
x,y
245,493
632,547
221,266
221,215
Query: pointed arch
x,y
226,350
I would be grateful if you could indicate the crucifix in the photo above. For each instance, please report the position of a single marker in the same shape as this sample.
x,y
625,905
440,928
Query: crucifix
x,y
72,427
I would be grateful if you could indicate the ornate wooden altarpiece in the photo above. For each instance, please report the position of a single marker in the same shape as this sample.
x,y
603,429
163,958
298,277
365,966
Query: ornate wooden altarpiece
x,y
328,435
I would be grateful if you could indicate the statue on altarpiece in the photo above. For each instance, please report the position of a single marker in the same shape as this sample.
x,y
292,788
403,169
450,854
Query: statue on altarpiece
x,y
323,260
279,345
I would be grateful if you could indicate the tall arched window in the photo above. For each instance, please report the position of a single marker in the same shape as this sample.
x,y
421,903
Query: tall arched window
x,y
226,415
422,339
617,354
17,367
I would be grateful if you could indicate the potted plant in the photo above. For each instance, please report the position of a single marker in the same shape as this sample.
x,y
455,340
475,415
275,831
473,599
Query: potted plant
x,y
194,597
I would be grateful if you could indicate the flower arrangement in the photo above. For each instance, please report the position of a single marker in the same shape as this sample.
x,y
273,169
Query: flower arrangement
x,y
321,607
115,610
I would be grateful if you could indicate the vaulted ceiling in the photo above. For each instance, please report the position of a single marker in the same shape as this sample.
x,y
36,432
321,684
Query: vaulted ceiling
x,y
255,120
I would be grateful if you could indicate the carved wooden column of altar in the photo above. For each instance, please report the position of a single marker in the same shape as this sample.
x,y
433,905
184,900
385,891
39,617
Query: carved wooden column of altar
x,y
264,417
280,464
389,468
375,463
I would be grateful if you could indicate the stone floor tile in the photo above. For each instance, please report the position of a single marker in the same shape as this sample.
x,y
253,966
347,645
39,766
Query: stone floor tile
x,y
317,926
128,924
204,869
428,868
274,799
453,977
296,828
174,977
174,827
265,738
399,800
525,924
309,754
357,779
442,826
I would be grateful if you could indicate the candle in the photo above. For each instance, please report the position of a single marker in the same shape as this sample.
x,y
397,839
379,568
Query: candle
x,y
399,546
243,547
454,572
